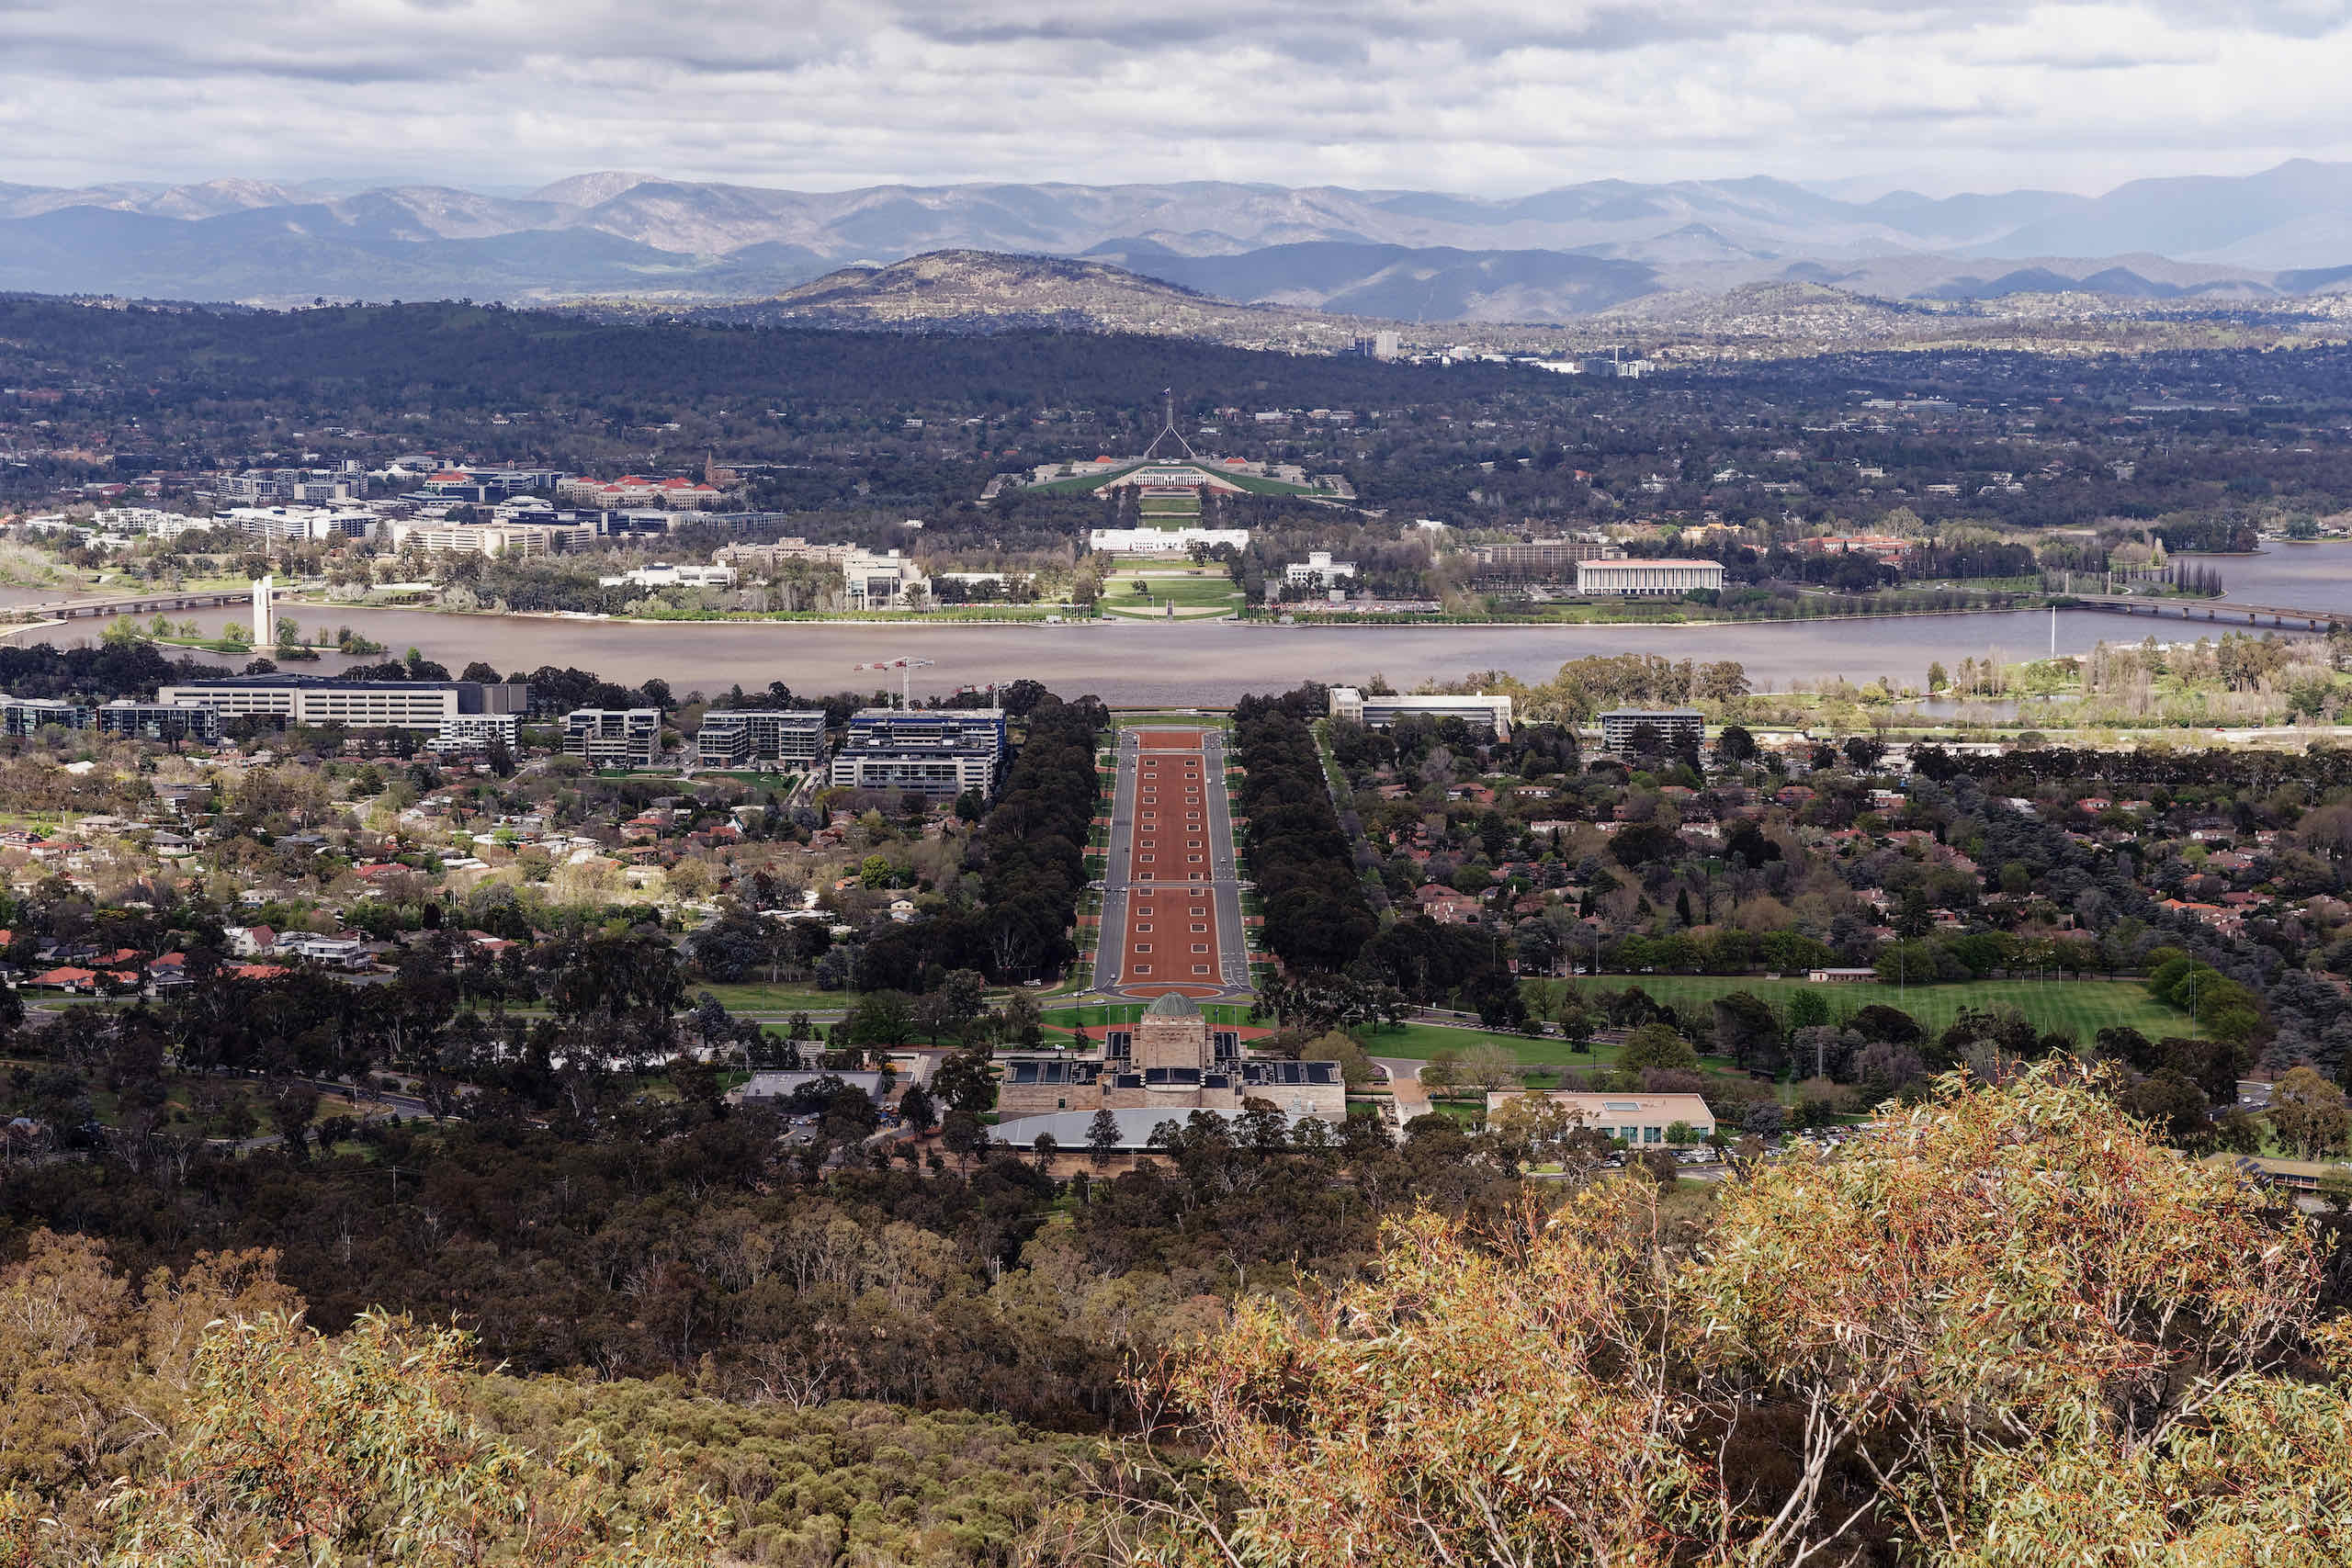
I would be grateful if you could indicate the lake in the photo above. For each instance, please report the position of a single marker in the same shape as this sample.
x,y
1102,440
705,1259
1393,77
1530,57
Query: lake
x,y
2314,577
1130,664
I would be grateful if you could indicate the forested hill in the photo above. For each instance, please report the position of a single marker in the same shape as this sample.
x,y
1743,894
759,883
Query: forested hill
x,y
352,361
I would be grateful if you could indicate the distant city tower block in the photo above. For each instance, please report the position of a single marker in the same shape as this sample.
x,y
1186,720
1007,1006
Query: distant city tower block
x,y
264,615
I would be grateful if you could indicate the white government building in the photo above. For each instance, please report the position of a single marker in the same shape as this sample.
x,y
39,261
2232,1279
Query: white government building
x,y
1638,578
1352,704
1164,541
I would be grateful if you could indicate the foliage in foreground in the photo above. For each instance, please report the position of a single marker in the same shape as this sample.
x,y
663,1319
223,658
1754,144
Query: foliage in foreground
x,y
300,1448
2007,1330
196,1420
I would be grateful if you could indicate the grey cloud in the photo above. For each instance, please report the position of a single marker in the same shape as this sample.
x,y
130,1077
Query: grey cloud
x,y
1492,95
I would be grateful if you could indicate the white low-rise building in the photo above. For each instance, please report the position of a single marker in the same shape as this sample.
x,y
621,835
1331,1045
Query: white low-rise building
x,y
291,525
518,539
663,575
1318,566
344,953
1640,1120
1378,712
1648,579
151,521
1164,541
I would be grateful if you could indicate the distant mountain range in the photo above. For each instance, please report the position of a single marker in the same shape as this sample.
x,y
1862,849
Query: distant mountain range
x,y
1407,256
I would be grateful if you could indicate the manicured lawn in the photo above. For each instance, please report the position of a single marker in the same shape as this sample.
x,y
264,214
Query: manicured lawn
x,y
2080,1007
1170,719
1259,485
750,995
1208,591
1423,1041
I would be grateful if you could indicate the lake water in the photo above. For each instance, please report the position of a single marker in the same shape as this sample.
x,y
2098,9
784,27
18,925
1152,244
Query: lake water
x,y
1132,664
2314,577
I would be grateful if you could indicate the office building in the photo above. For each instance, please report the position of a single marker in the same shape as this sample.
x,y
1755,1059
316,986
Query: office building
x,y
736,737
613,737
519,539
486,485
928,751
1648,579
1478,710
361,705
1676,728
297,524
632,489
164,720
29,716
1541,560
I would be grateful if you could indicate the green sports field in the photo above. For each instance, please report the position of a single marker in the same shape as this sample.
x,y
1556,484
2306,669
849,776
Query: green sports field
x,y
2081,1007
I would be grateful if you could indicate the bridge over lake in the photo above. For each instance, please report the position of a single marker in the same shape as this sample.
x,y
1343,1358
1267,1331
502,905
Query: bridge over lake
x,y
2220,612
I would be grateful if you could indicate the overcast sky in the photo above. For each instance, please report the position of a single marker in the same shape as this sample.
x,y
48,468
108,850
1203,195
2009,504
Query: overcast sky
x,y
1492,97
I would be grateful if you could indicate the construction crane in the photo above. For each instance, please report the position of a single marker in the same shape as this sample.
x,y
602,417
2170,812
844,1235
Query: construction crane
x,y
906,668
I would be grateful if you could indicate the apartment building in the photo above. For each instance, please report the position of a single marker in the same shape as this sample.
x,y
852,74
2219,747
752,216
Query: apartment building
x,y
166,720
29,716
476,731
1676,728
927,751
613,737
735,737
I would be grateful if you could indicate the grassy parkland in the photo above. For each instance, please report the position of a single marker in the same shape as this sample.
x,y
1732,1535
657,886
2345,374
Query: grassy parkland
x,y
2080,1008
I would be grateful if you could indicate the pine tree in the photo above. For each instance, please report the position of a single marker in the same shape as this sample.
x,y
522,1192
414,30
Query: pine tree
x,y
1102,1135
